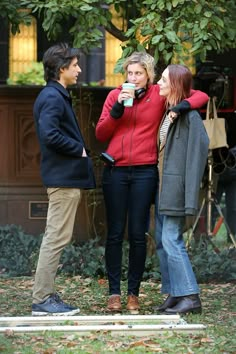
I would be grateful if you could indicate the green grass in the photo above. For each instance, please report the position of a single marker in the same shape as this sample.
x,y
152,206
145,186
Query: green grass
x,y
219,310
91,296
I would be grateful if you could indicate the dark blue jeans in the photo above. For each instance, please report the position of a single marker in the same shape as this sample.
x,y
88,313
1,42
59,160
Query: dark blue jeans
x,y
128,194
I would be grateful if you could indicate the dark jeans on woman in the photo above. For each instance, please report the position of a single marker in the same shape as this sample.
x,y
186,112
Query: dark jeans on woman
x,y
128,193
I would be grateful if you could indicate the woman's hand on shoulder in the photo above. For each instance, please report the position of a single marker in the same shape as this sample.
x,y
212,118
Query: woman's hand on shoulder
x,y
172,116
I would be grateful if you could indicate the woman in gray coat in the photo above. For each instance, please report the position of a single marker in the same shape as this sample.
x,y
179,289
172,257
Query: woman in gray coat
x,y
183,151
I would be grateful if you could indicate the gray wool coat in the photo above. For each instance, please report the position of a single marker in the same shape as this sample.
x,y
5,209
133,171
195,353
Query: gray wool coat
x,y
182,161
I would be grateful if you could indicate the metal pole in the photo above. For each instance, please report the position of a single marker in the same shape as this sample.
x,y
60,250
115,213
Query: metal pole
x,y
115,324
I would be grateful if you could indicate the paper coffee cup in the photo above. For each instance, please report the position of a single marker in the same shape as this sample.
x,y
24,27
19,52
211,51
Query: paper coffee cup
x,y
129,87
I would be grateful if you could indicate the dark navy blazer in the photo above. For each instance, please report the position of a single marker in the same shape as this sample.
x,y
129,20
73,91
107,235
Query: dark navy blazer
x,y
61,141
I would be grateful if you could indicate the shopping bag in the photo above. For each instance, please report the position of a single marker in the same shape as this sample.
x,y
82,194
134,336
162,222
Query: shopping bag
x,y
215,126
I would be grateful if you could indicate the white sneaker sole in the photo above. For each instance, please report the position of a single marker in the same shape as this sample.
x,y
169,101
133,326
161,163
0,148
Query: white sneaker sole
x,y
68,313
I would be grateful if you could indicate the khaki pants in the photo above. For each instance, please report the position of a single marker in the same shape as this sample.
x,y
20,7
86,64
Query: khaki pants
x,y
63,203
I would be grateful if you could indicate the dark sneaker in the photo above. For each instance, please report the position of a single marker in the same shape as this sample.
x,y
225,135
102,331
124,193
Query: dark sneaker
x,y
60,301
51,307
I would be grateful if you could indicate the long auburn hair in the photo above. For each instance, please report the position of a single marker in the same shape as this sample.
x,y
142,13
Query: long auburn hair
x,y
180,83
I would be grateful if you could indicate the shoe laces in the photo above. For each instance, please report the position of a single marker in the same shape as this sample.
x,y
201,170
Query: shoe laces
x,y
133,299
55,303
114,299
57,298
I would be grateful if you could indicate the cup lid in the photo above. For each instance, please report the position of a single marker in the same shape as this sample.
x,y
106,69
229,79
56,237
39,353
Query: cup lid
x,y
128,85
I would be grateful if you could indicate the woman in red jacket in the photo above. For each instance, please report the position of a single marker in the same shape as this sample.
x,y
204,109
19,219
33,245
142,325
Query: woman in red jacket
x,y
129,186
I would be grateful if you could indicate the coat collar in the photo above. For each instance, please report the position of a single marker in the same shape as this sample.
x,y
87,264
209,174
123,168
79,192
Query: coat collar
x,y
59,87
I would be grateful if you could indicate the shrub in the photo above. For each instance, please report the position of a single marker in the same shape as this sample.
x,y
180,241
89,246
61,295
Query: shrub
x,y
17,250
19,254
86,260
211,266
34,75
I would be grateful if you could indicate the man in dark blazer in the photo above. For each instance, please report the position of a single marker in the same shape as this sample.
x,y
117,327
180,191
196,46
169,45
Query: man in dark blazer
x,y
65,169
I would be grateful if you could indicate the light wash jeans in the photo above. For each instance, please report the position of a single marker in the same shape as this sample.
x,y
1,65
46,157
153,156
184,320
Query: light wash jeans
x,y
177,275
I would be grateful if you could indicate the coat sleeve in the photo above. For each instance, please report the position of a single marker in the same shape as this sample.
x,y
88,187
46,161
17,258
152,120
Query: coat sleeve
x,y
197,152
107,124
197,99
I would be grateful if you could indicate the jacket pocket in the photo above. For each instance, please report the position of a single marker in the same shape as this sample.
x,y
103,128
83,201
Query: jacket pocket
x,y
75,168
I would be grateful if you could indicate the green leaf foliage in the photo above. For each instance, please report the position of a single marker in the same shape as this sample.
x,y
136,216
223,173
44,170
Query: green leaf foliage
x,y
207,25
19,255
86,260
34,75
17,250
13,12
210,265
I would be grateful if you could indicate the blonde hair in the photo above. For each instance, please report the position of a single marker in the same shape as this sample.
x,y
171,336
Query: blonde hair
x,y
145,60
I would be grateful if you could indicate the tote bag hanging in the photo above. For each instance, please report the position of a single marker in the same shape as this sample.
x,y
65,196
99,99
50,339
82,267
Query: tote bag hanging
x,y
215,126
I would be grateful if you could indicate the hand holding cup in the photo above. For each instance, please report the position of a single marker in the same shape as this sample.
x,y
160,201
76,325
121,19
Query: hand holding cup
x,y
130,89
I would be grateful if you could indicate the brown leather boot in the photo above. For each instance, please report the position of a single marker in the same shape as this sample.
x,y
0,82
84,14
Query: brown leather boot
x,y
132,303
114,303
